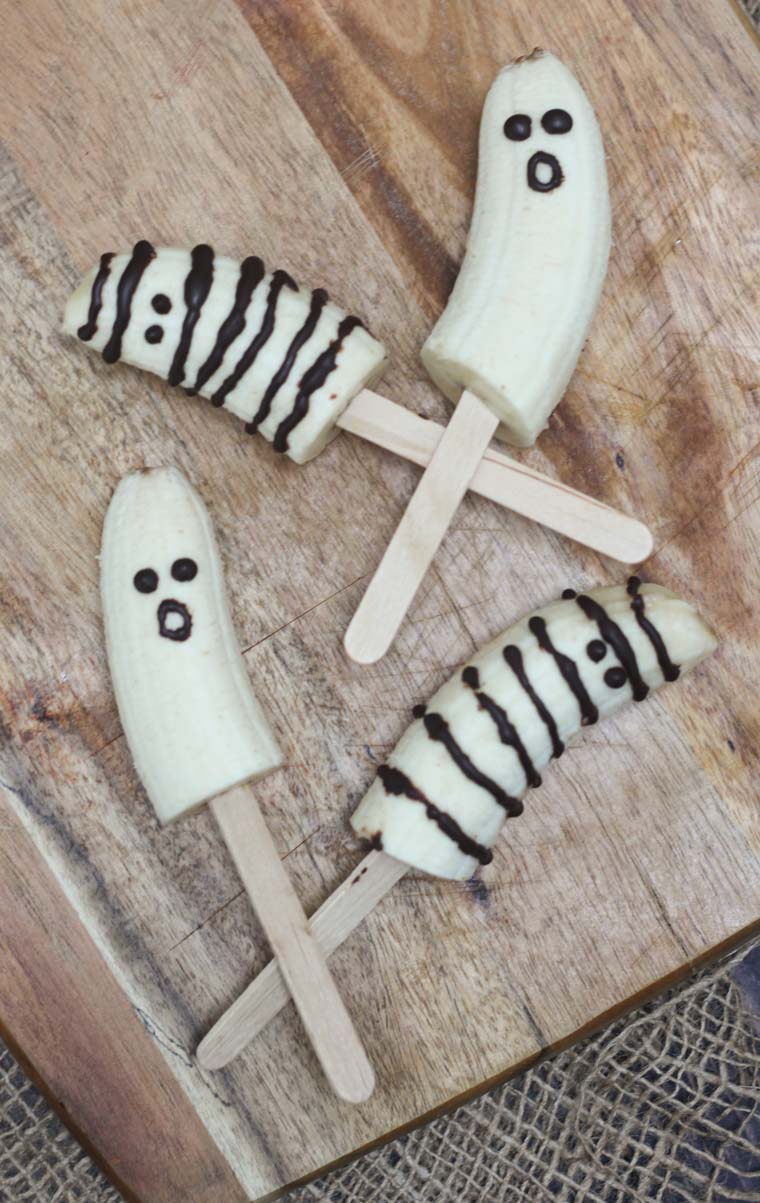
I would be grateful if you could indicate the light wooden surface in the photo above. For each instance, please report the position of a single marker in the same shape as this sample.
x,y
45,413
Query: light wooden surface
x,y
504,480
302,963
339,141
418,535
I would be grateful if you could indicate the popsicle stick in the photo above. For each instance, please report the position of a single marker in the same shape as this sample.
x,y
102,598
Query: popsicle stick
x,y
268,993
504,480
419,533
302,964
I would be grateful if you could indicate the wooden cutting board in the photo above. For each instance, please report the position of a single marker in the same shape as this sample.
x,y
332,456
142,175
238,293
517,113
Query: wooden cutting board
x,y
338,140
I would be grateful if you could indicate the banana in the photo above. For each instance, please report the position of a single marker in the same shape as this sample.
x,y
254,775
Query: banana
x,y
536,253
285,360
192,722
466,762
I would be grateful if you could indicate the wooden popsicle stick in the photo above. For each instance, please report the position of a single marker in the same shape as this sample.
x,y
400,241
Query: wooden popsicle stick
x,y
504,480
303,966
419,533
268,993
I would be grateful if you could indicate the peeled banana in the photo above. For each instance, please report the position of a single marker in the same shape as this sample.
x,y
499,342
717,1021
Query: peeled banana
x,y
470,756
285,360
536,253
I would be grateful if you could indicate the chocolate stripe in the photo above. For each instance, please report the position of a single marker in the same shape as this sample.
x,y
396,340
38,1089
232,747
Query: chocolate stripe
x,y
398,784
514,659
612,634
311,380
669,670
280,280
508,733
318,301
142,254
438,729
87,331
197,288
251,274
568,669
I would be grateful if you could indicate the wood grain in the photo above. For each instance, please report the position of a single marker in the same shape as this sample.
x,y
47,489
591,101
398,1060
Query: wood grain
x,y
338,141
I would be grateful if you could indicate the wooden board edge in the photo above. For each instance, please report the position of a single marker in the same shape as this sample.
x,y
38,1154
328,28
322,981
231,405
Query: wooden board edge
x,y
745,937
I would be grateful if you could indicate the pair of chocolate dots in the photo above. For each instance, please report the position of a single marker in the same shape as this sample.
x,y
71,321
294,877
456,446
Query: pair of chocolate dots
x,y
161,304
146,580
519,126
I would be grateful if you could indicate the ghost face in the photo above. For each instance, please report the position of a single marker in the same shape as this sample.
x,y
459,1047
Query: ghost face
x,y
175,620
544,172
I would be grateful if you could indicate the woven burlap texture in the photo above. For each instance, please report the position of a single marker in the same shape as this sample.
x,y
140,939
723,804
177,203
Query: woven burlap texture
x,y
662,1106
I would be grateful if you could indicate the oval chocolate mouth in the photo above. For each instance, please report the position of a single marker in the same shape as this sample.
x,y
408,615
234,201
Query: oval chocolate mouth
x,y
174,620
539,159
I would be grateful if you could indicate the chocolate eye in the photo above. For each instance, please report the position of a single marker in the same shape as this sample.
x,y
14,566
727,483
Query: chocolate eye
x,y
161,303
596,650
145,581
615,677
557,121
184,569
154,334
517,127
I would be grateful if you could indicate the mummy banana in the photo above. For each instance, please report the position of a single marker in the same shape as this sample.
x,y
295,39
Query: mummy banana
x,y
536,253
285,360
466,762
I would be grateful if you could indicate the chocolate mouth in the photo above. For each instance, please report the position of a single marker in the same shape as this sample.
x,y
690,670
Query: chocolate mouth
x,y
542,159
174,620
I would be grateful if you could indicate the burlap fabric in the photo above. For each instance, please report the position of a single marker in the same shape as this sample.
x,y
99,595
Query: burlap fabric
x,y
663,1105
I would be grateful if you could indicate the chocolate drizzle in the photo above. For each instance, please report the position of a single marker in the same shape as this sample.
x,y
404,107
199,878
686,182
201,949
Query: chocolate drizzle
x,y
87,331
312,379
197,288
398,784
669,670
568,669
280,280
612,634
508,733
438,729
513,657
319,299
142,254
251,274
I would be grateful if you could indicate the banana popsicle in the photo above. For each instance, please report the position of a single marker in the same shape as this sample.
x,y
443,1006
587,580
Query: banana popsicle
x,y
507,342
195,728
485,737
295,368
537,250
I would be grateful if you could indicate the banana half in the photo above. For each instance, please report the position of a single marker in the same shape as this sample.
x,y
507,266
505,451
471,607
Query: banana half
x,y
192,722
536,253
466,762
285,360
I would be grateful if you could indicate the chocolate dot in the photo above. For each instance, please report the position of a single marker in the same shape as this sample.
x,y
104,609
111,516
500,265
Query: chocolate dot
x,y
145,581
568,594
517,127
161,303
557,121
154,334
615,677
419,710
184,569
596,650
